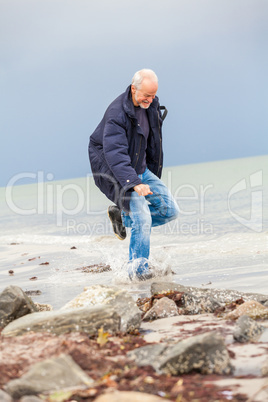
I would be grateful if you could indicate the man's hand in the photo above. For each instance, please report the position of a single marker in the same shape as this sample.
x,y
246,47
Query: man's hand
x,y
143,189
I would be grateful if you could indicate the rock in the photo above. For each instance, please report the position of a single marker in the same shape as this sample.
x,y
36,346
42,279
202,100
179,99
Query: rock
x,y
33,292
95,268
31,398
148,355
14,303
163,287
221,295
18,354
205,353
247,330
129,396
198,304
186,302
161,309
264,336
264,369
49,375
4,397
251,308
43,307
114,297
87,319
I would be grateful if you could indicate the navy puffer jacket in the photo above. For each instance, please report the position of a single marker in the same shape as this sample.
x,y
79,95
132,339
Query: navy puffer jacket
x,y
117,146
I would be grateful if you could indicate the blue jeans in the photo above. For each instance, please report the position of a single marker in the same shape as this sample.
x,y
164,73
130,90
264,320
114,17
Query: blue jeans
x,y
146,212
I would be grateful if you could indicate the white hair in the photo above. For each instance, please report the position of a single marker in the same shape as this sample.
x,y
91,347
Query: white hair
x,y
141,74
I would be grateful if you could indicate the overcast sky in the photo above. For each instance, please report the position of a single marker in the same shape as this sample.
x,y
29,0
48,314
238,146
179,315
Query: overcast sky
x,y
63,61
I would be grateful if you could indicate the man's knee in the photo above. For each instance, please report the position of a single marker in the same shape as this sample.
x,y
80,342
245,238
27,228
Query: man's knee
x,y
142,220
173,211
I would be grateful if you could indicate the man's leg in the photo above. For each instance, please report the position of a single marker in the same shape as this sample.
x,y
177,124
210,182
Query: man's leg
x,y
163,207
141,223
145,212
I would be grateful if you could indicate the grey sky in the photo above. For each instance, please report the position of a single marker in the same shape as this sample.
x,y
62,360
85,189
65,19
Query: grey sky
x,y
63,61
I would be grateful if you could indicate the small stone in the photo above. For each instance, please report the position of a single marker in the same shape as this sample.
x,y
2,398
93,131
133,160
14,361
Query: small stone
x,y
161,309
198,304
251,308
14,303
33,292
43,307
95,268
264,369
247,330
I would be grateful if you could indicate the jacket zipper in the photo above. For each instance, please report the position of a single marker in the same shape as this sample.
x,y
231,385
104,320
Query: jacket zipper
x,y
160,154
138,154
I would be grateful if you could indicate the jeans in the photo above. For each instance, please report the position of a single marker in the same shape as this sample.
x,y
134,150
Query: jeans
x,y
146,212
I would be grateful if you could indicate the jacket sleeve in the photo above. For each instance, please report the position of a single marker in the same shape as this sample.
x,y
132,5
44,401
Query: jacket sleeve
x,y
115,147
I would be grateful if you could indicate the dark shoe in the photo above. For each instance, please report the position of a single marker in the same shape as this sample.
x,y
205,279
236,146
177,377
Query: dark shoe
x,y
139,269
144,276
119,229
143,273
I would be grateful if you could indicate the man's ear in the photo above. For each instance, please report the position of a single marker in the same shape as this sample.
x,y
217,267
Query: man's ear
x,y
133,89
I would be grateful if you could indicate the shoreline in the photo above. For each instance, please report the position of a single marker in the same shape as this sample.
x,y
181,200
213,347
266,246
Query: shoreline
x,y
62,277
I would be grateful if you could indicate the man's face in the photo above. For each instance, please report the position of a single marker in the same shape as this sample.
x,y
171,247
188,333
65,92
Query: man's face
x,y
144,96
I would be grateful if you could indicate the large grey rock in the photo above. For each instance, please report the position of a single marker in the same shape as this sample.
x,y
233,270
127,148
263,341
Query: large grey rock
x,y
49,375
161,309
87,319
221,295
31,398
205,353
247,330
121,301
4,397
190,302
14,303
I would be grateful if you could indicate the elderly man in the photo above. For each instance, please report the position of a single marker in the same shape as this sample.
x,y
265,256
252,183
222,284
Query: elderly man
x,y
126,157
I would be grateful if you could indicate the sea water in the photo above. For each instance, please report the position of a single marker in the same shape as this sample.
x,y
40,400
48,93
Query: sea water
x,y
50,230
